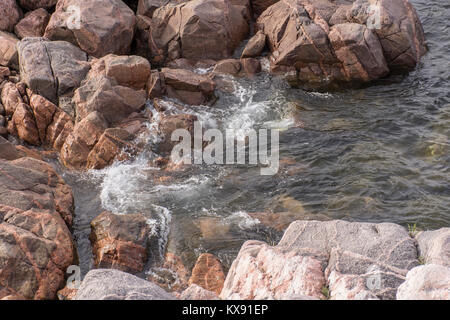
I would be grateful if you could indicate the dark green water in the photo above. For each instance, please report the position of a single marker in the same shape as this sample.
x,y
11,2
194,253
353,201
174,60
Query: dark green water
x,y
377,154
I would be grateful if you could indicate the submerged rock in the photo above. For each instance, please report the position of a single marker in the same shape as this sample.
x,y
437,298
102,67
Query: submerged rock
x,y
102,284
208,273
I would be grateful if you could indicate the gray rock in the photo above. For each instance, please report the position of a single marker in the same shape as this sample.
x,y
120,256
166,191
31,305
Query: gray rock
x,y
51,68
434,246
366,260
195,292
103,284
428,282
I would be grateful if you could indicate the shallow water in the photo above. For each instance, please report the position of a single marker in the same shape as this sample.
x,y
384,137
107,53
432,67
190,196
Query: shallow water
x,y
377,154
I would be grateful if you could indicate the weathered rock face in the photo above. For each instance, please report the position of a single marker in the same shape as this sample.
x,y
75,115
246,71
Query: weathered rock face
x,y
246,67
36,4
355,261
33,24
195,292
188,87
35,243
120,241
254,46
114,102
51,68
331,42
264,272
208,273
434,246
198,29
111,284
129,71
428,282
10,14
259,6
97,27
8,50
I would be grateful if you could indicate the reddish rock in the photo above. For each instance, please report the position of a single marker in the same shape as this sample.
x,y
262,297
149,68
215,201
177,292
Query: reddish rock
x,y
200,29
147,7
254,46
10,14
339,42
189,87
169,124
8,151
33,24
109,147
67,294
156,86
130,71
251,66
11,98
35,243
25,125
8,51
79,143
112,101
120,241
208,273
105,26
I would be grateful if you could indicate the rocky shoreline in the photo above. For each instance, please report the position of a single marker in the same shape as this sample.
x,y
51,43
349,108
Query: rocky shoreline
x,y
76,79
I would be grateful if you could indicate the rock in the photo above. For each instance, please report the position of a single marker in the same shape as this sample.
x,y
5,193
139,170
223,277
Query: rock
x,y
334,42
189,87
434,246
228,66
147,7
195,292
428,282
156,86
362,256
79,143
25,125
355,260
11,98
67,294
208,273
51,68
172,275
114,102
54,125
33,24
198,29
104,26
254,46
35,243
36,4
250,66
129,71
109,147
140,45
8,151
120,241
259,6
10,14
264,272
103,284
8,50
169,124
